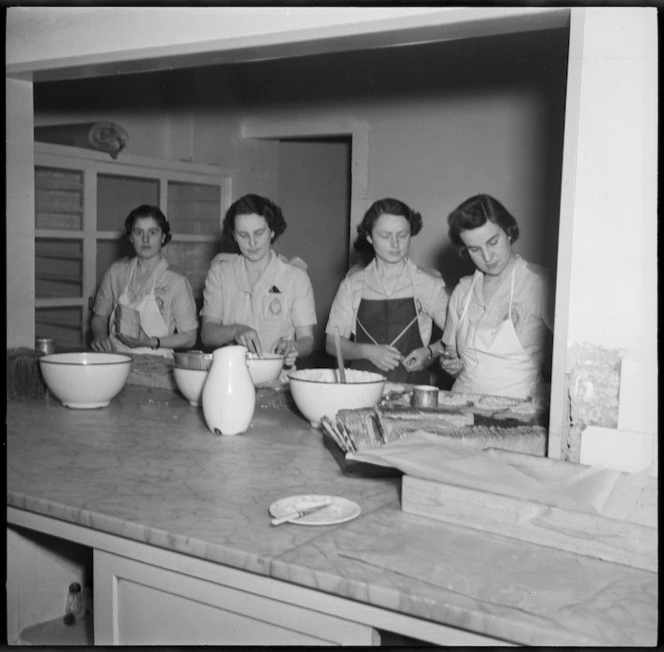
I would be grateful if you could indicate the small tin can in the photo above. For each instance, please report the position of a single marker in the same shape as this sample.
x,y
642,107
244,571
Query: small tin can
x,y
45,345
425,396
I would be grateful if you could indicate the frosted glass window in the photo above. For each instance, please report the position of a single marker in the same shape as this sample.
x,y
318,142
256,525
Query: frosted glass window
x,y
193,259
118,195
62,324
194,208
58,198
108,251
58,268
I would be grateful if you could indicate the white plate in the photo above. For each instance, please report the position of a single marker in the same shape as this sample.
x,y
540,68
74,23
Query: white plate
x,y
340,509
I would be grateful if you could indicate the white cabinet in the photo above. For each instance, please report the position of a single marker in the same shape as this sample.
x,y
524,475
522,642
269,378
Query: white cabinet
x,y
142,604
81,201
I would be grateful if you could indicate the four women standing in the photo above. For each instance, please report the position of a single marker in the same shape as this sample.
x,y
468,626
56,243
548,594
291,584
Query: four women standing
x,y
494,329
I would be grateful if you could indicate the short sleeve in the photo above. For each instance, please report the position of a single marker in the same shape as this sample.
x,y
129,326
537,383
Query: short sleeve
x,y
105,298
341,312
184,306
213,295
304,306
437,303
452,319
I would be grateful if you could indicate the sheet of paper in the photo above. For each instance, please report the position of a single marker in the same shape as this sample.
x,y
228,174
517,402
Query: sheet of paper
x,y
593,490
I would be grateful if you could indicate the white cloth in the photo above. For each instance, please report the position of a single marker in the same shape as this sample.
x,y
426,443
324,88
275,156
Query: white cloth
x,y
150,317
494,361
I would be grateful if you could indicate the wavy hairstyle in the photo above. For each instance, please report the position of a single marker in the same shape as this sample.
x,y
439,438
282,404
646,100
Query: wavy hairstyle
x,y
389,206
477,211
254,205
147,210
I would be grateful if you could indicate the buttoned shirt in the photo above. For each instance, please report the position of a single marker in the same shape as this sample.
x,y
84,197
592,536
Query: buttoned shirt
x,y
281,300
532,312
425,286
172,292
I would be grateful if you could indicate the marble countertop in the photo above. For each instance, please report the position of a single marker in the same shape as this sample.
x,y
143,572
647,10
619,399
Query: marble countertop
x,y
147,468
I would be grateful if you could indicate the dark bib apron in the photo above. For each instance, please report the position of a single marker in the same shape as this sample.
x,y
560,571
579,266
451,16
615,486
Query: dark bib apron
x,y
384,319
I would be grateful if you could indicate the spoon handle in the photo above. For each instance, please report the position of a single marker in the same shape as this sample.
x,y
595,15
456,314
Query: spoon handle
x,y
340,359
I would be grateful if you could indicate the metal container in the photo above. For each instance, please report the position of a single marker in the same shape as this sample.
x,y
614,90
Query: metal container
x,y
192,360
45,345
425,396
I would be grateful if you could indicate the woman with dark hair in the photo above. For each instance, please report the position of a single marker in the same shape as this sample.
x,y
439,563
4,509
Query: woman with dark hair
x,y
143,305
499,319
384,313
257,298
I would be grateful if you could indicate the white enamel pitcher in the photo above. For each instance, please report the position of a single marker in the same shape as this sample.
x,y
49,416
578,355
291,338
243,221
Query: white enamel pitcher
x,y
229,396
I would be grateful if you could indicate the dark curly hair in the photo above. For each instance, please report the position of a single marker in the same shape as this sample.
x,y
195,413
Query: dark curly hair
x,y
389,206
254,205
146,210
477,211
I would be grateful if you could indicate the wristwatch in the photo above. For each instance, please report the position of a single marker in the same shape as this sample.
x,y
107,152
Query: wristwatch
x,y
158,344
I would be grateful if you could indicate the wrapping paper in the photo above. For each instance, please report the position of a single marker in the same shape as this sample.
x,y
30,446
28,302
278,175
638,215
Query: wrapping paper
x,y
593,490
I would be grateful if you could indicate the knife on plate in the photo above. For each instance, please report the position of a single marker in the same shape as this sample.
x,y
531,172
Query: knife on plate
x,y
292,516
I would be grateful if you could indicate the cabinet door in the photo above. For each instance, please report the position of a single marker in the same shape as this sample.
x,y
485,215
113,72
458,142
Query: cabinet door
x,y
141,604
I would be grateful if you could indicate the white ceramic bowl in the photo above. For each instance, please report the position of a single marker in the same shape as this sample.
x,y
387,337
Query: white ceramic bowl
x,y
317,393
85,379
266,368
190,382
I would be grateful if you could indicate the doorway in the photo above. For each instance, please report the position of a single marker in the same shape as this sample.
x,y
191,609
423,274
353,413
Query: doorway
x,y
314,192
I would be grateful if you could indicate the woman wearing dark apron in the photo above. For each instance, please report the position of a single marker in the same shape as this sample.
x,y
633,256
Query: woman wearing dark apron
x,y
384,313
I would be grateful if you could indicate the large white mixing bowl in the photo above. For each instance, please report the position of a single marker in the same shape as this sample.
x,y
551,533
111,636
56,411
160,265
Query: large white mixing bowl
x,y
85,379
317,392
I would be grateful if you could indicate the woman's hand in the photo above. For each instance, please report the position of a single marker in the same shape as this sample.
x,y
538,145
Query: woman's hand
x,y
143,339
417,359
102,344
450,363
247,336
383,356
288,350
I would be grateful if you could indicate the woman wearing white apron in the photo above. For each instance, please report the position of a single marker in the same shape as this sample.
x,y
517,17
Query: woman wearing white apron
x,y
257,298
384,313
498,330
143,305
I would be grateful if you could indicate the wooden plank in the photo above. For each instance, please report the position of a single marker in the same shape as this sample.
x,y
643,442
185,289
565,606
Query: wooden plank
x,y
616,541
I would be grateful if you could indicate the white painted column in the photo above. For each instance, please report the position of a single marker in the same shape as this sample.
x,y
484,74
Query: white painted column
x,y
20,184
607,267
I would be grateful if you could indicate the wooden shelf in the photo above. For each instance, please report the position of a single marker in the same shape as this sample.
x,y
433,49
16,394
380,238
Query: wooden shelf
x,y
55,632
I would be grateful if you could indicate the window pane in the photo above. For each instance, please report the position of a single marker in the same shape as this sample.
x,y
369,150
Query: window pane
x,y
193,259
194,208
58,268
117,196
64,325
58,198
108,251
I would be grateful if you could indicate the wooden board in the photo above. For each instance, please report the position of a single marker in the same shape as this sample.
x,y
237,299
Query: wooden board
x,y
632,542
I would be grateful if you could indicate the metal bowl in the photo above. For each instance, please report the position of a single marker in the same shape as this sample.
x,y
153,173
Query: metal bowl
x,y
192,360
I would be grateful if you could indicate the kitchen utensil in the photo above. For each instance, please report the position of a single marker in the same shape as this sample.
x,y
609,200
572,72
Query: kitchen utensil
x,y
339,510
229,396
317,393
265,367
340,358
192,360
424,396
45,345
85,379
190,382
292,516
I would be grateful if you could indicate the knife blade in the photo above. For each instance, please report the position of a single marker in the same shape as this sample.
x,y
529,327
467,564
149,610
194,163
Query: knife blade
x,y
291,516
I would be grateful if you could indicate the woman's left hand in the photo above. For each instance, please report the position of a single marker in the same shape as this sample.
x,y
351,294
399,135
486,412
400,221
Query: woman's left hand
x,y
143,339
417,359
288,350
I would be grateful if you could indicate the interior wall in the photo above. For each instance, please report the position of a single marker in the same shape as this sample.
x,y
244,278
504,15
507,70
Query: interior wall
x,y
314,194
445,121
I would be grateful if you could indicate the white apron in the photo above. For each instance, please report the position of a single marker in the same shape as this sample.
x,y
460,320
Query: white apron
x,y
494,362
151,320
